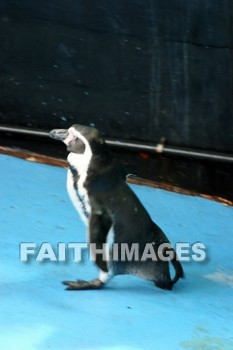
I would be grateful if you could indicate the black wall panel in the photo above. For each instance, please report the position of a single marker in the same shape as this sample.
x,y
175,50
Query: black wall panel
x,y
136,69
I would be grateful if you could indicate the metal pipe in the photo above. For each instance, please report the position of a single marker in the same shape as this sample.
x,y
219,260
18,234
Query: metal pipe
x,y
134,146
23,131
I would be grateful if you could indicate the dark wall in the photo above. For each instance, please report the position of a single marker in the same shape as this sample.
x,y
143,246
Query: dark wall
x,y
137,69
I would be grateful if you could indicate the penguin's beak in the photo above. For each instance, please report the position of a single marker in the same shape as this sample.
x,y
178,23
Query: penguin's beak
x,y
59,134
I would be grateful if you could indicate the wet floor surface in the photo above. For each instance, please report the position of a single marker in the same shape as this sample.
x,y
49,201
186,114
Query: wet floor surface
x,y
36,311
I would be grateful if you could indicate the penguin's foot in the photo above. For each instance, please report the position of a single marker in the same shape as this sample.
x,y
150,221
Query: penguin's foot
x,y
83,285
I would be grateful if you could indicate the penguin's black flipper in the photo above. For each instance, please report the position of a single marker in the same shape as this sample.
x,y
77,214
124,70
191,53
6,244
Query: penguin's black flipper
x,y
99,226
83,285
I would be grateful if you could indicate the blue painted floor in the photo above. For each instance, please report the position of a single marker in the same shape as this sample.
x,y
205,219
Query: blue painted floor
x,y
36,312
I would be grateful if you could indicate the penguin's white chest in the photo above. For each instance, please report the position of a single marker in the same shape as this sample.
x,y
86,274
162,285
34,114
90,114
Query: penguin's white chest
x,y
75,185
79,197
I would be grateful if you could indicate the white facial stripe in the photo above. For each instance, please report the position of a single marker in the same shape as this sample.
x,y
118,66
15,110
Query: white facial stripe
x,y
73,134
76,134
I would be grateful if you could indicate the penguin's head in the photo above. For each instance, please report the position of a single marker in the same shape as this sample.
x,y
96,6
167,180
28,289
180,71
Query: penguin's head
x,y
78,138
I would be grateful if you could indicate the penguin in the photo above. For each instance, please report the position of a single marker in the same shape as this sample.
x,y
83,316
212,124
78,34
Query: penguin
x,y
110,209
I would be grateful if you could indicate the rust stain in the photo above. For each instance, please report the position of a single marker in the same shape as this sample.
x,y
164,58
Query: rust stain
x,y
171,188
144,155
33,157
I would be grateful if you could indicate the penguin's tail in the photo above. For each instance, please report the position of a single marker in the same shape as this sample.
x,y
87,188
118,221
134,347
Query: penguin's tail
x,y
179,272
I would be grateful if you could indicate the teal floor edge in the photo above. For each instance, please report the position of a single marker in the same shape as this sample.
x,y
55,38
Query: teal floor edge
x,y
36,311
